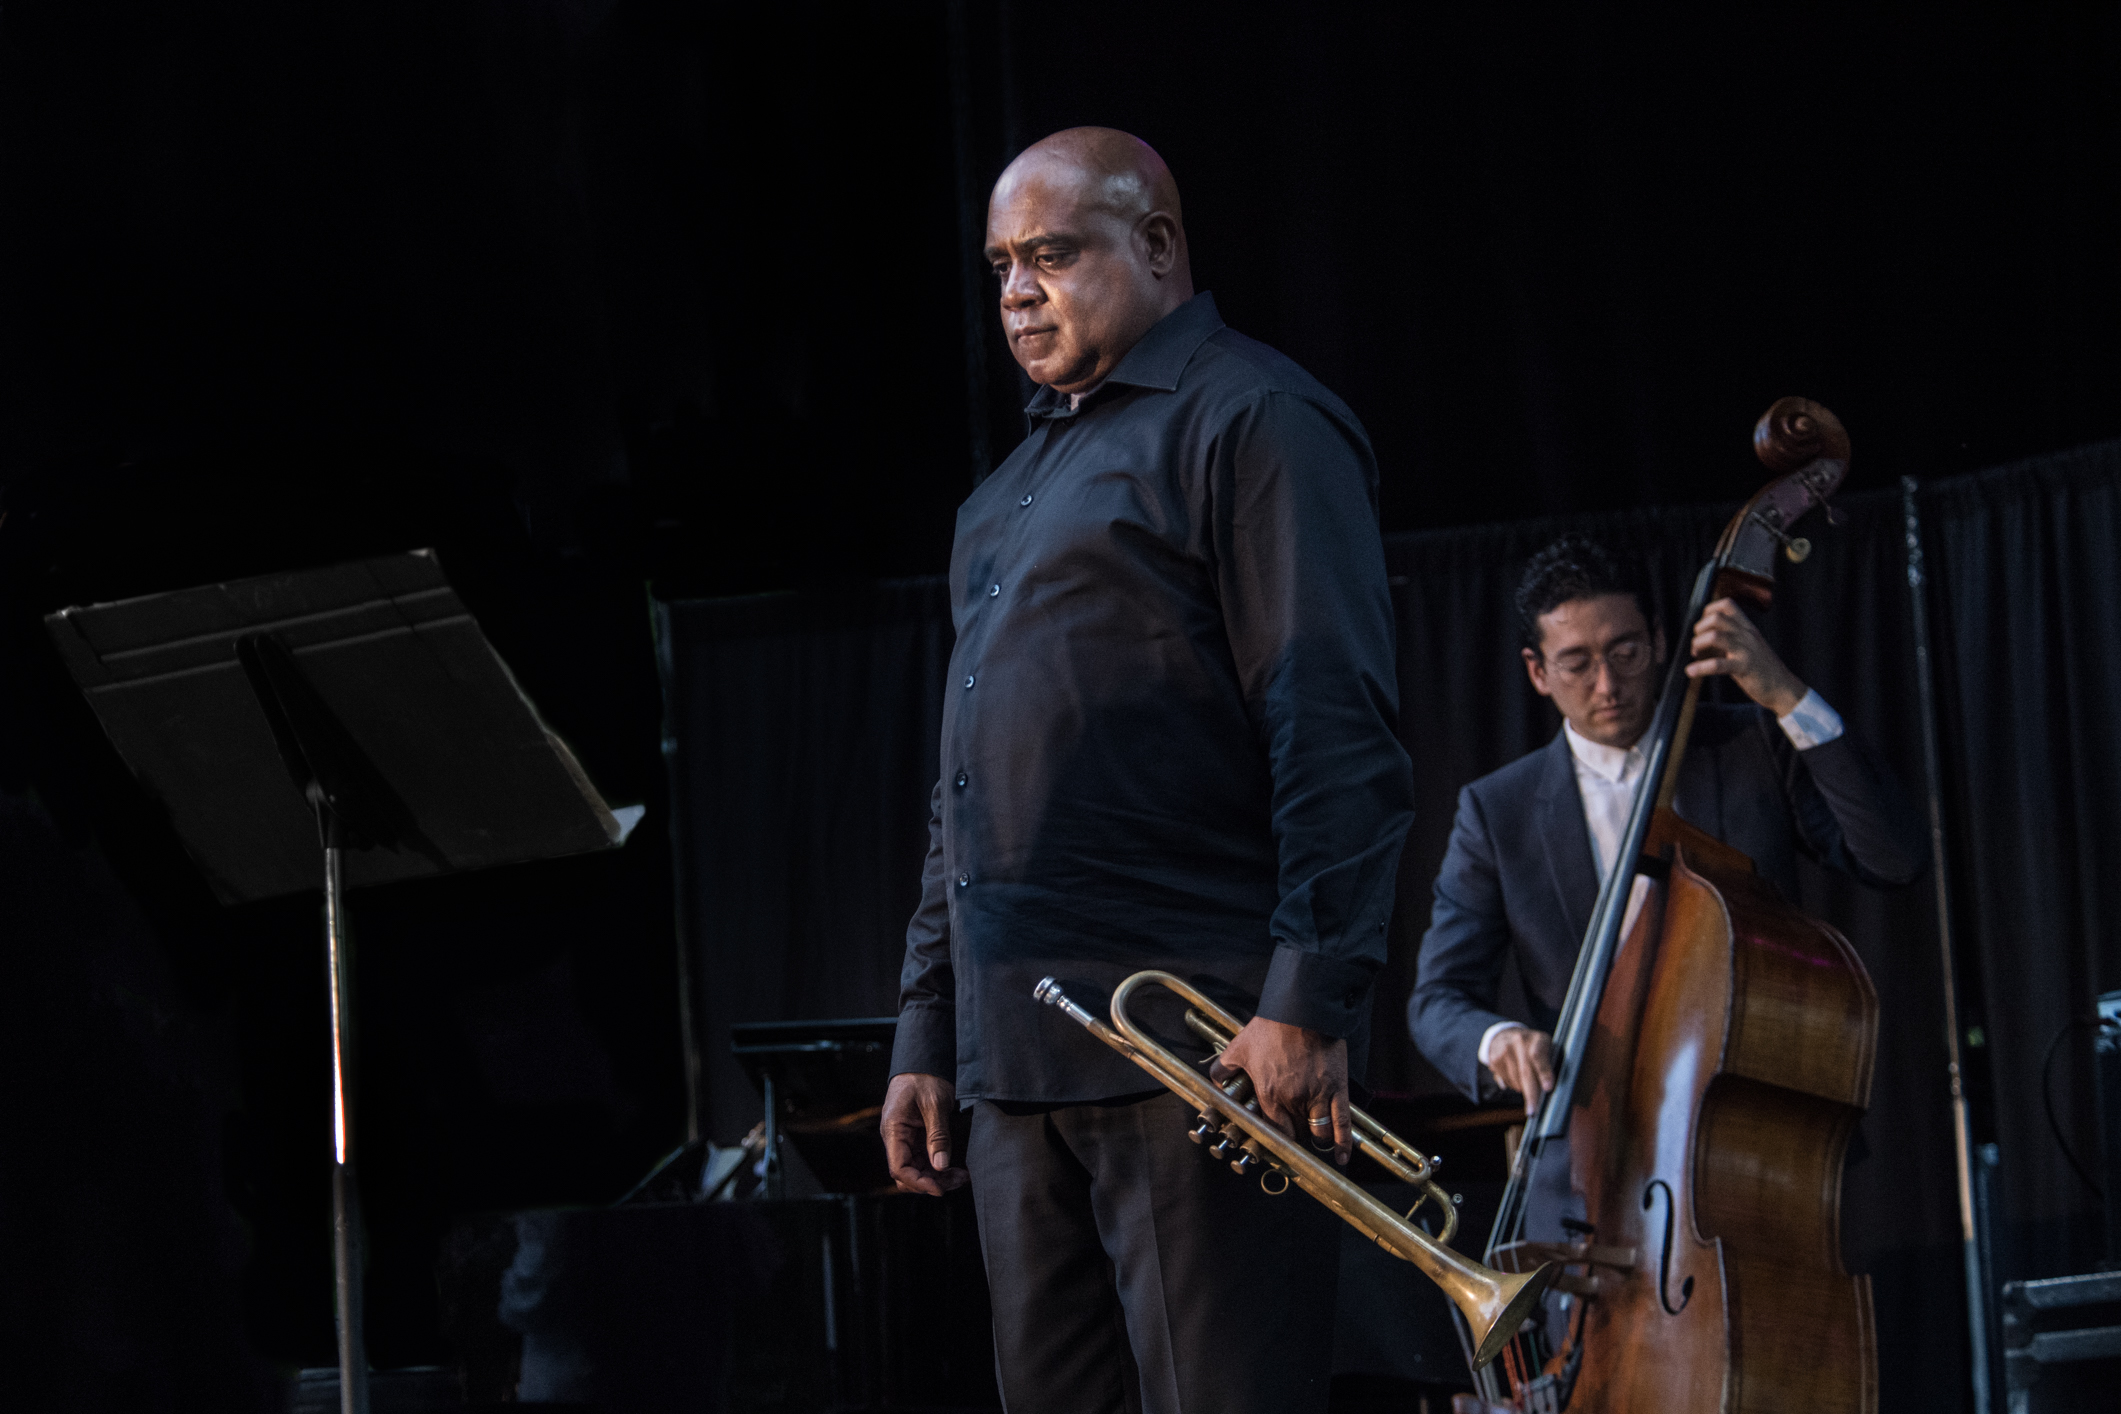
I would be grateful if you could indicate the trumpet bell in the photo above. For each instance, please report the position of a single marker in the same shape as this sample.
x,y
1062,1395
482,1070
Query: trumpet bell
x,y
1517,1298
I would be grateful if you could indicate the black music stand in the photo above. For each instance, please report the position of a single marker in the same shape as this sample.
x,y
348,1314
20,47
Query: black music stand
x,y
359,707
823,1083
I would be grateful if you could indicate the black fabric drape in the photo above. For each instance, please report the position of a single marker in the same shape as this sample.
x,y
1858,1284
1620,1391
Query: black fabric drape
x,y
806,741
798,729
2028,628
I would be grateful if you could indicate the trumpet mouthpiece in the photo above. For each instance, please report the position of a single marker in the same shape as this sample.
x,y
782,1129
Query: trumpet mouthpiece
x,y
1047,991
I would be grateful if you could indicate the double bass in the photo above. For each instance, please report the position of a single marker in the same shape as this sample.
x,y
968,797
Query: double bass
x,y
1711,1062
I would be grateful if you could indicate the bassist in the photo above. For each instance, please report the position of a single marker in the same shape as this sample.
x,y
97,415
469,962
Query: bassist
x,y
1776,777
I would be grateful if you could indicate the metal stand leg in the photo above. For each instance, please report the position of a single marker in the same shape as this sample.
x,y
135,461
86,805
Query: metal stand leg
x,y
345,1198
1973,1216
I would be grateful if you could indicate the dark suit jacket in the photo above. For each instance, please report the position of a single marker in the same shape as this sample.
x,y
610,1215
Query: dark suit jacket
x,y
1519,878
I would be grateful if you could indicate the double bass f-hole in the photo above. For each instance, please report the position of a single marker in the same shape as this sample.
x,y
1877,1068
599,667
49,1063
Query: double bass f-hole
x,y
1664,1255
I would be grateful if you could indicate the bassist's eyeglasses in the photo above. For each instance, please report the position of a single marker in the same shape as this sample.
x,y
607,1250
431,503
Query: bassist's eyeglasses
x,y
1628,658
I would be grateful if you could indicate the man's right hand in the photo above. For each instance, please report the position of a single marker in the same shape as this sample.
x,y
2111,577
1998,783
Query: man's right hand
x,y
916,1125
1523,1060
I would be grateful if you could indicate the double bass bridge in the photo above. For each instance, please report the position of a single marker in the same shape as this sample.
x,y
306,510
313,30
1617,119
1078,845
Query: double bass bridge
x,y
1608,1264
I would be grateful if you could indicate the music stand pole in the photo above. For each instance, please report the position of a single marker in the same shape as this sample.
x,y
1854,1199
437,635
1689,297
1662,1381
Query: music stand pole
x,y
340,785
345,1196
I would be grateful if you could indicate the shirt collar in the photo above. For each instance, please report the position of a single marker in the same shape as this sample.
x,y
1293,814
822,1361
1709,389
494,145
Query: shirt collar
x,y
1608,763
1157,361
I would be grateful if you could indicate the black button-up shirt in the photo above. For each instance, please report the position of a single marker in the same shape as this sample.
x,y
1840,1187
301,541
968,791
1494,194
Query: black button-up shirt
x,y
1168,739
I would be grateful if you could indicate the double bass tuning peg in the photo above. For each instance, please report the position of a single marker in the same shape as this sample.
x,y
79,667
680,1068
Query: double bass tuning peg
x,y
1796,546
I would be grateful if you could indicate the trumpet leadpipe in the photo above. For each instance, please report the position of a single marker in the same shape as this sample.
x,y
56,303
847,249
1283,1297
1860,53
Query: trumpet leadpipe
x,y
1049,992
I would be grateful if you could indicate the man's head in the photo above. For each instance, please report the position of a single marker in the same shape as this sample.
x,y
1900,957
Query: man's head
x,y
1084,232
1591,642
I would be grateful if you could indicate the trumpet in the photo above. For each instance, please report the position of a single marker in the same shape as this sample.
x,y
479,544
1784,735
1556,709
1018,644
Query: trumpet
x,y
1493,1303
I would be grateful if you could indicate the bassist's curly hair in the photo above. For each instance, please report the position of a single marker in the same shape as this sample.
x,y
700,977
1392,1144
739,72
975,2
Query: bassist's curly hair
x,y
1576,567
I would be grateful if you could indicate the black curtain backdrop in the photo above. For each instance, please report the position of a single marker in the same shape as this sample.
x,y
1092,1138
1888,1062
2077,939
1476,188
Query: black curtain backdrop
x,y
2022,566
1545,252
802,735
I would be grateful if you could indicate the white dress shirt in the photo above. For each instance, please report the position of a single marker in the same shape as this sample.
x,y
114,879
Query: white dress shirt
x,y
1606,779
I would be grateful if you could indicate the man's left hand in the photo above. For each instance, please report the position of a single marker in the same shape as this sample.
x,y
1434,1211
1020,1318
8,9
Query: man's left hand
x,y
1726,644
1299,1075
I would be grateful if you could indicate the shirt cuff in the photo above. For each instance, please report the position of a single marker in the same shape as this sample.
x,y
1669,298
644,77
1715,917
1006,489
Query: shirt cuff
x,y
926,1042
1811,722
1487,1037
1323,994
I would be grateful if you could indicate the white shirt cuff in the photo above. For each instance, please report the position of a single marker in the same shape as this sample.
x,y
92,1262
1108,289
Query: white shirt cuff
x,y
1811,722
1487,1037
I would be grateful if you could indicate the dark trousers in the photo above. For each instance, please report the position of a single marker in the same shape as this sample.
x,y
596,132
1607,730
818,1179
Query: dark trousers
x,y
1132,1272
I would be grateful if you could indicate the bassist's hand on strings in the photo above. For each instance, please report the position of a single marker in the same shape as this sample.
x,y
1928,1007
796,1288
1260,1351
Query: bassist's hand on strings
x,y
1523,1060
1726,644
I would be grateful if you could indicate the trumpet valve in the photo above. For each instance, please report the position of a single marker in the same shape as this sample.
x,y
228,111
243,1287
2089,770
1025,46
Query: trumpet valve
x,y
1203,1129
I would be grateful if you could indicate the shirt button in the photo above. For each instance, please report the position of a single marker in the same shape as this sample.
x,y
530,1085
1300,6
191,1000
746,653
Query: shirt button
x,y
968,679
960,780
963,880
1026,501
991,593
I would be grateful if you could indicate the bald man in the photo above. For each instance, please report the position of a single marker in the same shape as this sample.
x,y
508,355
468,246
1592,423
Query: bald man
x,y
1168,743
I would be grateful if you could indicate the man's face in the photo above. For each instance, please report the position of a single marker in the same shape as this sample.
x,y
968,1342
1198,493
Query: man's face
x,y
1597,660
1080,285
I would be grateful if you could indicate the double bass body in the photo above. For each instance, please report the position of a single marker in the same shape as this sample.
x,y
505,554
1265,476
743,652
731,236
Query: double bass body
x,y
1731,1057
